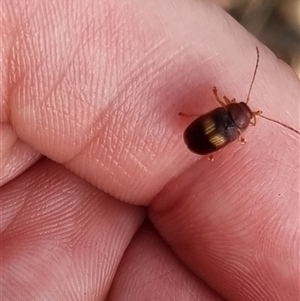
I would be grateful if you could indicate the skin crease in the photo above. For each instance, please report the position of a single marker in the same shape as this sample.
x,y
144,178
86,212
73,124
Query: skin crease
x,y
96,87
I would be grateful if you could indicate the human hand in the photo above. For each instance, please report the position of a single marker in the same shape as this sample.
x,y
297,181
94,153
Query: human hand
x,y
96,87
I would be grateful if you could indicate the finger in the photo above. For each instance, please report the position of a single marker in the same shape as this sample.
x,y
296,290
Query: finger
x,y
235,221
16,156
150,271
238,235
99,87
142,140
61,239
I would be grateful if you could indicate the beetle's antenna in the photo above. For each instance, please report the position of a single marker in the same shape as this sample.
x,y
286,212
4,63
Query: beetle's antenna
x,y
254,74
259,113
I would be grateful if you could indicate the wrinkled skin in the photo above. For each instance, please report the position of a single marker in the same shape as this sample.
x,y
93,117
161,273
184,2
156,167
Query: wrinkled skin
x,y
100,198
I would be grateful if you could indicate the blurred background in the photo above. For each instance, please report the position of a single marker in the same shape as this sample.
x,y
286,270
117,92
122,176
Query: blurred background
x,y
276,23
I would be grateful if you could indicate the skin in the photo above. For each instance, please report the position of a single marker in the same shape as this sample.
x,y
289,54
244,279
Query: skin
x,y
120,209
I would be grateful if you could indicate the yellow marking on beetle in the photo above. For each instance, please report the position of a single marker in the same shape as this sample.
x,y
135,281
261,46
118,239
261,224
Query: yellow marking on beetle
x,y
217,140
209,126
214,138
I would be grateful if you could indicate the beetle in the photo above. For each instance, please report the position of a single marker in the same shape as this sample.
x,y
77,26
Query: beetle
x,y
216,129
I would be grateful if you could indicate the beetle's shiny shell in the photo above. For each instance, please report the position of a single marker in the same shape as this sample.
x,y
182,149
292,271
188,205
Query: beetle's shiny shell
x,y
215,129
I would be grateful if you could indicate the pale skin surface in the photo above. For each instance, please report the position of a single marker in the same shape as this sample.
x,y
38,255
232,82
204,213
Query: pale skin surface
x,y
96,86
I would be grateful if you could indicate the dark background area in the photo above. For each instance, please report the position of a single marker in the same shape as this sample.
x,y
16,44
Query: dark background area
x,y
276,23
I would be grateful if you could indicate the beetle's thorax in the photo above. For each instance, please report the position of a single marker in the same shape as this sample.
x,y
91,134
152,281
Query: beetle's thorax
x,y
240,114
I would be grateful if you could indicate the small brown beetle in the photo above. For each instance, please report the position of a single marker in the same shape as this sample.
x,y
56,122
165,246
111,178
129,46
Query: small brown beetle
x,y
219,127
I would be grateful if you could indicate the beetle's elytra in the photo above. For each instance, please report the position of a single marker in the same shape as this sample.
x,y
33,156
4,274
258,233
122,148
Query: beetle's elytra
x,y
219,127
215,129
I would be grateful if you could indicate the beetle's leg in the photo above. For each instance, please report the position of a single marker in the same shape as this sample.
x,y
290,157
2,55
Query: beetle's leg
x,y
242,140
254,117
219,101
253,122
211,158
228,101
